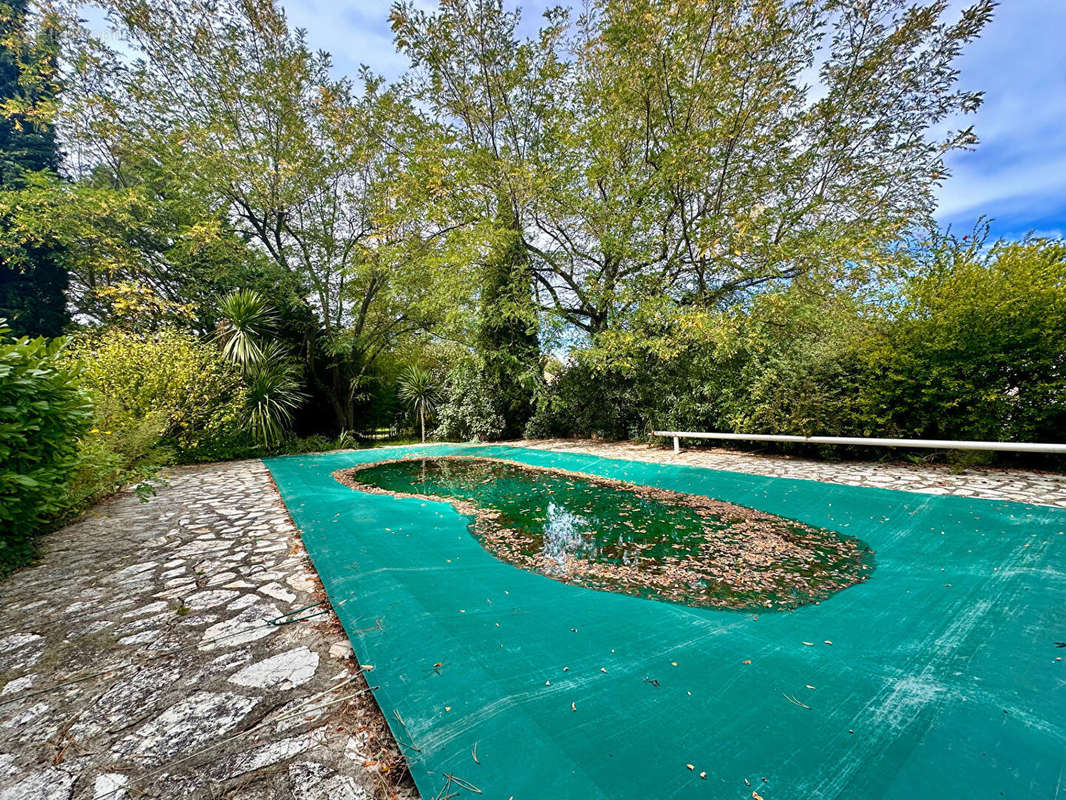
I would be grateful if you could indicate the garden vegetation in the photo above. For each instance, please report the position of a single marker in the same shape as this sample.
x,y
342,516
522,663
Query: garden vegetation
x,y
690,214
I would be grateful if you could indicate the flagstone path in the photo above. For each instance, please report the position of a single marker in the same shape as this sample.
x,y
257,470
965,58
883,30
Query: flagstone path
x,y
138,658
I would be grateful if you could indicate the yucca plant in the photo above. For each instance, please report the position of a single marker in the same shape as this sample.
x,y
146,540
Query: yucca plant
x,y
246,319
273,394
420,392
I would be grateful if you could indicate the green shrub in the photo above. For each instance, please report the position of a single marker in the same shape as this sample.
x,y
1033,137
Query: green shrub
x,y
586,402
169,383
43,411
118,451
471,409
977,349
972,347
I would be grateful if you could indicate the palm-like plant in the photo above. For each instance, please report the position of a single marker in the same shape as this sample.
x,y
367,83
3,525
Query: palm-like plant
x,y
419,391
273,393
245,321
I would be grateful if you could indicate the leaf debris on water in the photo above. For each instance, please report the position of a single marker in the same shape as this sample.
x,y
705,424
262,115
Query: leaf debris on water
x,y
632,539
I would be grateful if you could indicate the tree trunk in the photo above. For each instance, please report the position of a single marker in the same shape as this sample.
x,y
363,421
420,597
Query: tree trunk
x,y
422,418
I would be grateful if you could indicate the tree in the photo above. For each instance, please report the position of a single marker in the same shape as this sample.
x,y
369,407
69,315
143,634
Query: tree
x,y
130,252
693,158
489,90
32,279
419,390
232,102
246,326
274,393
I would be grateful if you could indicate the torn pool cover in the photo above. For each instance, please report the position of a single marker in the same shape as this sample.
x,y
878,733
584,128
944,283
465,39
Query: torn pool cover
x,y
937,675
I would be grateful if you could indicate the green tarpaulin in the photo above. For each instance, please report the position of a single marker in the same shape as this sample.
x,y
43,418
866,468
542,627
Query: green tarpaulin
x,y
939,677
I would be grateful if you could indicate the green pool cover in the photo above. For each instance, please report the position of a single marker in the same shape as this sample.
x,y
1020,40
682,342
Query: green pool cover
x,y
939,677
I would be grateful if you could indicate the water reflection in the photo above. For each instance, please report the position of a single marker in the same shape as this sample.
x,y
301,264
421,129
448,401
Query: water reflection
x,y
632,539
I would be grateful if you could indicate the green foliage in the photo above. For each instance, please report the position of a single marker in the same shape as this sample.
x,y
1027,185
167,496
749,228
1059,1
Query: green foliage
x,y
32,278
120,450
507,332
977,349
419,391
169,381
698,199
973,347
490,90
587,402
315,188
43,412
273,393
245,322
471,406
141,249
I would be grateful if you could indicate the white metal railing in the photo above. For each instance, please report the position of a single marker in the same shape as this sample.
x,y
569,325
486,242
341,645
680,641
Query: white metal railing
x,y
935,444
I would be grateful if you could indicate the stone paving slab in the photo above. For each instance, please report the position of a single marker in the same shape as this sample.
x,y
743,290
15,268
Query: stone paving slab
x,y
193,693
1023,486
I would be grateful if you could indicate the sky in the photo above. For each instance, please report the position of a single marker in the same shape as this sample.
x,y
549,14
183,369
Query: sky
x,y
1016,176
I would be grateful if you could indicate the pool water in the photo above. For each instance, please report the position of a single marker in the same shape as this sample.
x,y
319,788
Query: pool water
x,y
632,539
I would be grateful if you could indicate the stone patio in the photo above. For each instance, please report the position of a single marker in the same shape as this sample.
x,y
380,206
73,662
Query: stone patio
x,y
138,659
1022,486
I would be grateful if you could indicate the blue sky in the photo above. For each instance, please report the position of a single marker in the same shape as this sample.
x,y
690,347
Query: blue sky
x,y
1017,175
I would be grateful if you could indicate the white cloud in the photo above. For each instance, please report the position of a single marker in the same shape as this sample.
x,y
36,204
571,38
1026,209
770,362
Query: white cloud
x,y
984,188
355,33
1019,168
